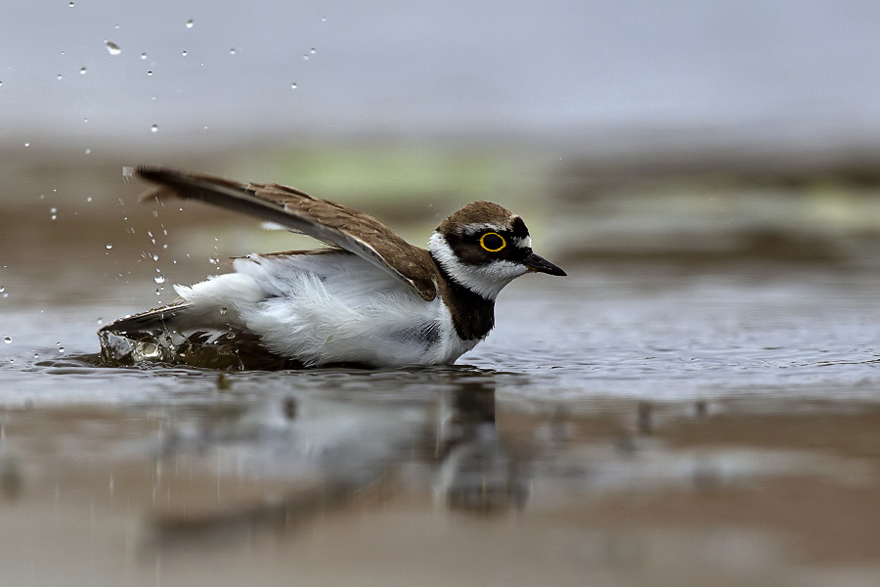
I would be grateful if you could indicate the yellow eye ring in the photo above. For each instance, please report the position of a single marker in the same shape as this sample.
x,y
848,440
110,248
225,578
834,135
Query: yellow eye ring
x,y
488,247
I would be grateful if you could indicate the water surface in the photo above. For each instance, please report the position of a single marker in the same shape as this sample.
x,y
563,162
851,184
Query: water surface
x,y
639,420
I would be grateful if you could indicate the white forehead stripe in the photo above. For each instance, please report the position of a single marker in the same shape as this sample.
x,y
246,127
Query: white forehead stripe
x,y
483,227
522,243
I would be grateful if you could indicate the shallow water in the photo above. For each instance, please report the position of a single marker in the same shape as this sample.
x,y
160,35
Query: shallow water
x,y
685,422
618,425
654,335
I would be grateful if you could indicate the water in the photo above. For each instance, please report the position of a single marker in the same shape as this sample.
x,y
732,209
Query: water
x,y
595,334
655,422
112,48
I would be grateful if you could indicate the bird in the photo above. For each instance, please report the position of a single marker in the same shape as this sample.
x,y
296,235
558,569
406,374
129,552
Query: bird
x,y
368,298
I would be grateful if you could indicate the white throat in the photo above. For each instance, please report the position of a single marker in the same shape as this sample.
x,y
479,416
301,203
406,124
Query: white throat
x,y
484,280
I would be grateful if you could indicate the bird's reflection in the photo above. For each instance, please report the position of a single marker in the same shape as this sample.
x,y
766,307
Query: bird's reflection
x,y
477,473
339,452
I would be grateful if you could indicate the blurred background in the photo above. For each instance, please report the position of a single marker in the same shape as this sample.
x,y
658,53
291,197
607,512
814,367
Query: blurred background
x,y
687,130
696,404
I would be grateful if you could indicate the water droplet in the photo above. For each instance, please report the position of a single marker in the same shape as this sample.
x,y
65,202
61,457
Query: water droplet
x,y
71,4
160,279
189,24
1,83
154,128
313,50
36,355
61,350
155,256
27,144
323,19
293,86
59,76
82,70
232,51
143,55
2,288
305,57
85,119
100,321
7,340
158,291
89,200
184,53
88,151
112,48
108,246
150,73
223,310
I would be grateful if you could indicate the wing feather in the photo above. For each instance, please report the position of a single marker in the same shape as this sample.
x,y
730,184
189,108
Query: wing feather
x,y
348,229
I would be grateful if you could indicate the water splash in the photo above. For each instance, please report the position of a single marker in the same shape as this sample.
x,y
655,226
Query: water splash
x,y
112,48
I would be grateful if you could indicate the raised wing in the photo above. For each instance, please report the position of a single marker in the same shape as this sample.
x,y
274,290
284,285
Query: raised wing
x,y
331,223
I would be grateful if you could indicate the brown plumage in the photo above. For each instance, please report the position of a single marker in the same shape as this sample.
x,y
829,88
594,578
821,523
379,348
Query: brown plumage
x,y
326,221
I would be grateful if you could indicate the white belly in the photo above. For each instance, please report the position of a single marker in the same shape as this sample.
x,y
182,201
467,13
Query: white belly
x,y
322,309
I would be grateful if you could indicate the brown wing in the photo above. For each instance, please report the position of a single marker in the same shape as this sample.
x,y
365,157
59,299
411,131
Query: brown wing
x,y
339,225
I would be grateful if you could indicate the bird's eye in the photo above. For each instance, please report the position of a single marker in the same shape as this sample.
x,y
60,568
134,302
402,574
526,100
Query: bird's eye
x,y
492,242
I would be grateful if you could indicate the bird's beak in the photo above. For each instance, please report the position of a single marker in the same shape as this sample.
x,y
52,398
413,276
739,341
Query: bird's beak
x,y
539,264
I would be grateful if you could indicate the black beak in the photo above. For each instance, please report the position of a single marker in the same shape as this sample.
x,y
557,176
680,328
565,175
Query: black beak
x,y
539,264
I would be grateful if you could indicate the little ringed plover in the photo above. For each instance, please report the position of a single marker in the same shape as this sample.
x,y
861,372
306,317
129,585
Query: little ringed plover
x,y
369,298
